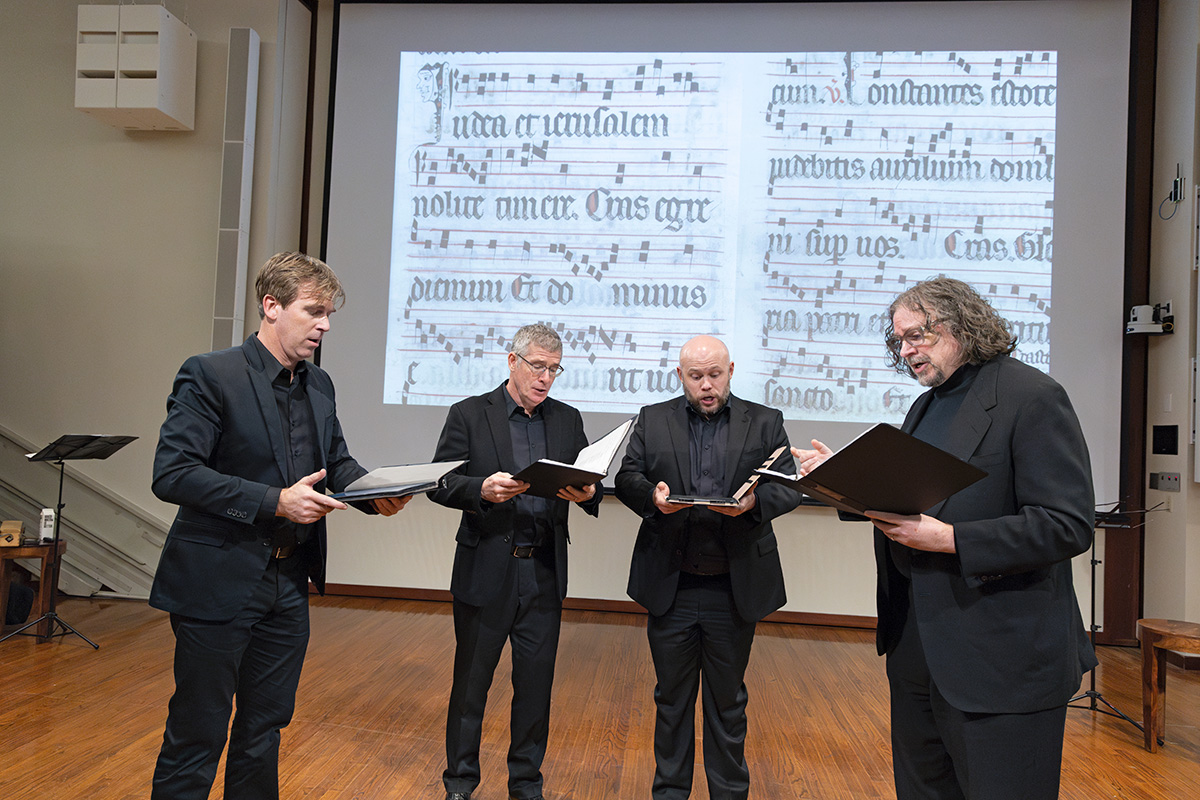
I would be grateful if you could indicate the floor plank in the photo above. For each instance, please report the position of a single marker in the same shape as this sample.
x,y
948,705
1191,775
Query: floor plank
x,y
79,723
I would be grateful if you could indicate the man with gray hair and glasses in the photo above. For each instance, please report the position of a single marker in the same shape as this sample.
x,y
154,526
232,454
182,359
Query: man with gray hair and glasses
x,y
977,613
510,565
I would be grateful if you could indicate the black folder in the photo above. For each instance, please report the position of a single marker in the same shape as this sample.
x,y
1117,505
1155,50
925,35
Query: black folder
x,y
397,481
545,476
884,469
728,502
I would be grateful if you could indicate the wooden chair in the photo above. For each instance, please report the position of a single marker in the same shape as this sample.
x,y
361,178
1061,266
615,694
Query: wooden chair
x,y
1157,637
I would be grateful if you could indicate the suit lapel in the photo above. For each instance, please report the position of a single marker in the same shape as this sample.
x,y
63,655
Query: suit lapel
x,y
559,444
265,395
677,430
497,419
916,412
322,410
973,419
739,428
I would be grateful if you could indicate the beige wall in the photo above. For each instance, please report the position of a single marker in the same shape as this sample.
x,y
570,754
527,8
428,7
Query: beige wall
x,y
1172,553
107,266
109,239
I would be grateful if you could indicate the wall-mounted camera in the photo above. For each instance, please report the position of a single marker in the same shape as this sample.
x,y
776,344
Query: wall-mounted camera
x,y
1156,319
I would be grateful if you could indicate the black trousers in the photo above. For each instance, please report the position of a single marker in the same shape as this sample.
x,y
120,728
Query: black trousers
x,y
700,637
528,614
942,753
255,657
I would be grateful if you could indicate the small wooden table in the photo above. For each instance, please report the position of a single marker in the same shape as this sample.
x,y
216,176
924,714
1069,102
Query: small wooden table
x,y
47,583
1157,636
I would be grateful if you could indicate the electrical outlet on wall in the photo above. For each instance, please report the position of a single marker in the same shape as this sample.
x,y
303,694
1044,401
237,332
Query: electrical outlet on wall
x,y
1164,481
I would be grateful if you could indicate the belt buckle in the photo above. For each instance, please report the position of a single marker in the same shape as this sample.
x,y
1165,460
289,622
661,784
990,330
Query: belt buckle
x,y
523,550
283,551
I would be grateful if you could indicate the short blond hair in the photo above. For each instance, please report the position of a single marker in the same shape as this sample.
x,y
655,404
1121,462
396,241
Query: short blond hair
x,y
286,274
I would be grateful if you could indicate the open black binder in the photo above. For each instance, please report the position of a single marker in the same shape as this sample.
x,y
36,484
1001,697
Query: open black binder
x,y
729,502
546,477
884,469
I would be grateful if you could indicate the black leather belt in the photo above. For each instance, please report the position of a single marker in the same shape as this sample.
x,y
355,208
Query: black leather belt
x,y
524,550
285,551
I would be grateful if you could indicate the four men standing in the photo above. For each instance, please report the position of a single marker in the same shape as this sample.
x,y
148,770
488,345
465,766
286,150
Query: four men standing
x,y
977,613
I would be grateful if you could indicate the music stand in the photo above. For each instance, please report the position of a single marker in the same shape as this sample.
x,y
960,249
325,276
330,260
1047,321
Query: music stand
x,y
1108,520
69,447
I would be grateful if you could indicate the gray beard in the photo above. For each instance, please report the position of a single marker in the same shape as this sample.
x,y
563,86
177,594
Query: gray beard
x,y
709,414
934,378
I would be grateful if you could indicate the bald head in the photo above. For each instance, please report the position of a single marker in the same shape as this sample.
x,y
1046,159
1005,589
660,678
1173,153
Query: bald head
x,y
705,370
700,347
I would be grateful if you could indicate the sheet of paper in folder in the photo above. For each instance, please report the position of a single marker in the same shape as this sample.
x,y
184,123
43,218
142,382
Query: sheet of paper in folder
x,y
690,500
546,476
397,481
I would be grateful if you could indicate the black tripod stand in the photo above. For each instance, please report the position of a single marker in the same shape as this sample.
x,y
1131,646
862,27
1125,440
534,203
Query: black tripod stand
x,y
69,447
1104,519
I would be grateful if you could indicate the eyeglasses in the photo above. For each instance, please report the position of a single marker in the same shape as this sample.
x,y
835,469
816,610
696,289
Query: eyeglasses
x,y
541,369
915,337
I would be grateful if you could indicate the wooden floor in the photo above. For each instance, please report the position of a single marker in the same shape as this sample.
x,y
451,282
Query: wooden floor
x,y
79,723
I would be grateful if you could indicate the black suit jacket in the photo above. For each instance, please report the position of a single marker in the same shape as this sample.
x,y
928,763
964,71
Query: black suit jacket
x,y
219,451
477,429
999,620
658,451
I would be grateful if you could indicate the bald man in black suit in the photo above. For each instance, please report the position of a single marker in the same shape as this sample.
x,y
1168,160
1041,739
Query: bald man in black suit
x,y
707,575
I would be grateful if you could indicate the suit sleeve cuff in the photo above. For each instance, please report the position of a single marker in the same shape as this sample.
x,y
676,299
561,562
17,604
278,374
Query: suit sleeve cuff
x,y
270,504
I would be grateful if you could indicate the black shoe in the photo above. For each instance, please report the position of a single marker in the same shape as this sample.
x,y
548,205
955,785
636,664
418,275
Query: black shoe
x,y
535,797
458,796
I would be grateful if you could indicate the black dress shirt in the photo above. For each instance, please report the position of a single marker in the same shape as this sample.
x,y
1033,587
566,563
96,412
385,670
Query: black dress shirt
x,y
300,435
531,525
708,449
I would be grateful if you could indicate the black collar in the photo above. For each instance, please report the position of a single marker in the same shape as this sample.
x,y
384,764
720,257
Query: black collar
x,y
511,405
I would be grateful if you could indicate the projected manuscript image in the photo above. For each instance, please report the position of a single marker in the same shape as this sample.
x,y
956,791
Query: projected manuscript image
x,y
779,201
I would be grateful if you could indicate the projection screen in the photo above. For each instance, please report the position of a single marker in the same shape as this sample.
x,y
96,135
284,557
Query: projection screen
x,y
774,174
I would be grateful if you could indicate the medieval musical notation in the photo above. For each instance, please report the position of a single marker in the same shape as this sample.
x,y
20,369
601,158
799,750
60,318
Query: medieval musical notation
x,y
779,201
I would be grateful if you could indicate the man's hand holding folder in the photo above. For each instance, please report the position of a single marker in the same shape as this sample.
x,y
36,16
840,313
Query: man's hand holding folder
x,y
502,486
918,531
574,482
940,476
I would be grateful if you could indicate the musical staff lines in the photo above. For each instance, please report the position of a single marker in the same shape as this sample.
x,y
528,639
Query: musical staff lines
x,y
918,164
634,200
